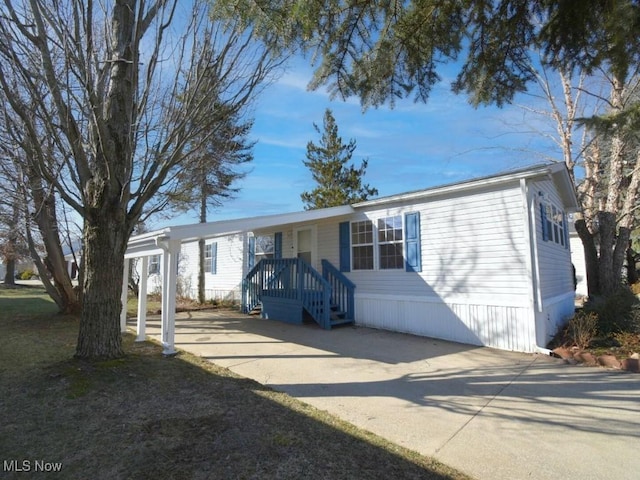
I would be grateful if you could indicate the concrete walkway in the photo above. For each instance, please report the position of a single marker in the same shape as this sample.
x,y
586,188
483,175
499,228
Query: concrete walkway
x,y
489,413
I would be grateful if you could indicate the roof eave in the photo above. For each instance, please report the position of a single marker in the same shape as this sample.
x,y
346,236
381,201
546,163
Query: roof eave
x,y
457,187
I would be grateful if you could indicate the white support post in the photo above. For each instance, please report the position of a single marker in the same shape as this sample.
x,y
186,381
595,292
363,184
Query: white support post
x,y
142,301
169,279
123,298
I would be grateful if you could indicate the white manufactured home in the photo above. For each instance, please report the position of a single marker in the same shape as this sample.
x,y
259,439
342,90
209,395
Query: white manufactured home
x,y
483,262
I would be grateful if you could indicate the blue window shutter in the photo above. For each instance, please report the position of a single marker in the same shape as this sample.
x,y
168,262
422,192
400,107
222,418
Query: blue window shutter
x,y
214,258
566,230
251,260
413,262
345,247
543,218
277,245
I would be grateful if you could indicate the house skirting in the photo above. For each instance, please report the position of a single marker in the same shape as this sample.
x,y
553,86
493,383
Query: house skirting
x,y
555,313
224,295
504,325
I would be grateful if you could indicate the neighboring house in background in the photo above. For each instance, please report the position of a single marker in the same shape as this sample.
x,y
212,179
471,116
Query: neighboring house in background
x,y
72,256
577,259
482,262
226,255
21,266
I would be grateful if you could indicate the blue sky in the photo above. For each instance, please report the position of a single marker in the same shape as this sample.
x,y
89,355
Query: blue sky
x,y
410,147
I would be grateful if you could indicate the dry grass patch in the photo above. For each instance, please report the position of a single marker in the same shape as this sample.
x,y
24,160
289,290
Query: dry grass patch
x,y
147,417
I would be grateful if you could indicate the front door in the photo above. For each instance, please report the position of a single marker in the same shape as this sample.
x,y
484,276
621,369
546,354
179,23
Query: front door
x,y
305,244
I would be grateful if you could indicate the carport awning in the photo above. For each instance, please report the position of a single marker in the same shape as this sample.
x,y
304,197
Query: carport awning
x,y
148,243
167,242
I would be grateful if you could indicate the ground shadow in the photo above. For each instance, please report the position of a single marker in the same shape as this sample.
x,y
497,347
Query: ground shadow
x,y
435,374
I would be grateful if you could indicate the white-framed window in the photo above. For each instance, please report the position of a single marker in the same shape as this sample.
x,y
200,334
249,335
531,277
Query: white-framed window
x,y
558,226
362,245
154,264
390,242
210,257
265,247
377,244
554,224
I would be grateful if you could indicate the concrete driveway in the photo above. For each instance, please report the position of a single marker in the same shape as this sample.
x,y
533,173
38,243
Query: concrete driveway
x,y
489,413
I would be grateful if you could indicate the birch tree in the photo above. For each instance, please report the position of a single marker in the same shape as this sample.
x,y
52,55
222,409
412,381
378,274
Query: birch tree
x,y
104,78
589,112
610,192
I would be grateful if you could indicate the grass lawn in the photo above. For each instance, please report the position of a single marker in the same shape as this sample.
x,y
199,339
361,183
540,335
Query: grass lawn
x,y
150,417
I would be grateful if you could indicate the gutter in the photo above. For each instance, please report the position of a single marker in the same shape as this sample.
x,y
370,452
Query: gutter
x,y
457,187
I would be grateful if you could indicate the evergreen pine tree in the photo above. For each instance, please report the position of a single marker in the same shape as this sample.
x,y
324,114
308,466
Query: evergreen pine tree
x,y
338,181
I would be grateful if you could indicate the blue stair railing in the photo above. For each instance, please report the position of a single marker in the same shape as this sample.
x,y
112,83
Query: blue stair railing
x,y
321,295
251,288
342,290
266,275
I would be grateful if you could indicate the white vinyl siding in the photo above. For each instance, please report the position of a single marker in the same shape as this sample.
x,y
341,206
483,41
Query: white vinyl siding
x,y
555,270
327,240
474,285
472,245
226,284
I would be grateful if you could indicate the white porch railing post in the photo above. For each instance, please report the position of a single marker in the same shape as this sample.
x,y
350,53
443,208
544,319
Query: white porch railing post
x,y
142,301
123,297
171,248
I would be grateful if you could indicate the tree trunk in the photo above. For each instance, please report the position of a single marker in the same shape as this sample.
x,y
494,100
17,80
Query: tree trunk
x,y
134,278
632,273
10,274
619,256
105,243
590,257
606,230
628,215
201,246
106,194
46,218
11,248
42,270
611,255
201,278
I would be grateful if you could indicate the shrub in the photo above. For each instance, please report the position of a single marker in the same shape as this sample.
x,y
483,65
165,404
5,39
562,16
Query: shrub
x,y
628,341
27,274
619,312
635,288
582,328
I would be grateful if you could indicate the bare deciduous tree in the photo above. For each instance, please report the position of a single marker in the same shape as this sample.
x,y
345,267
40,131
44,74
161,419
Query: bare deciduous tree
x,y
608,150
104,79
